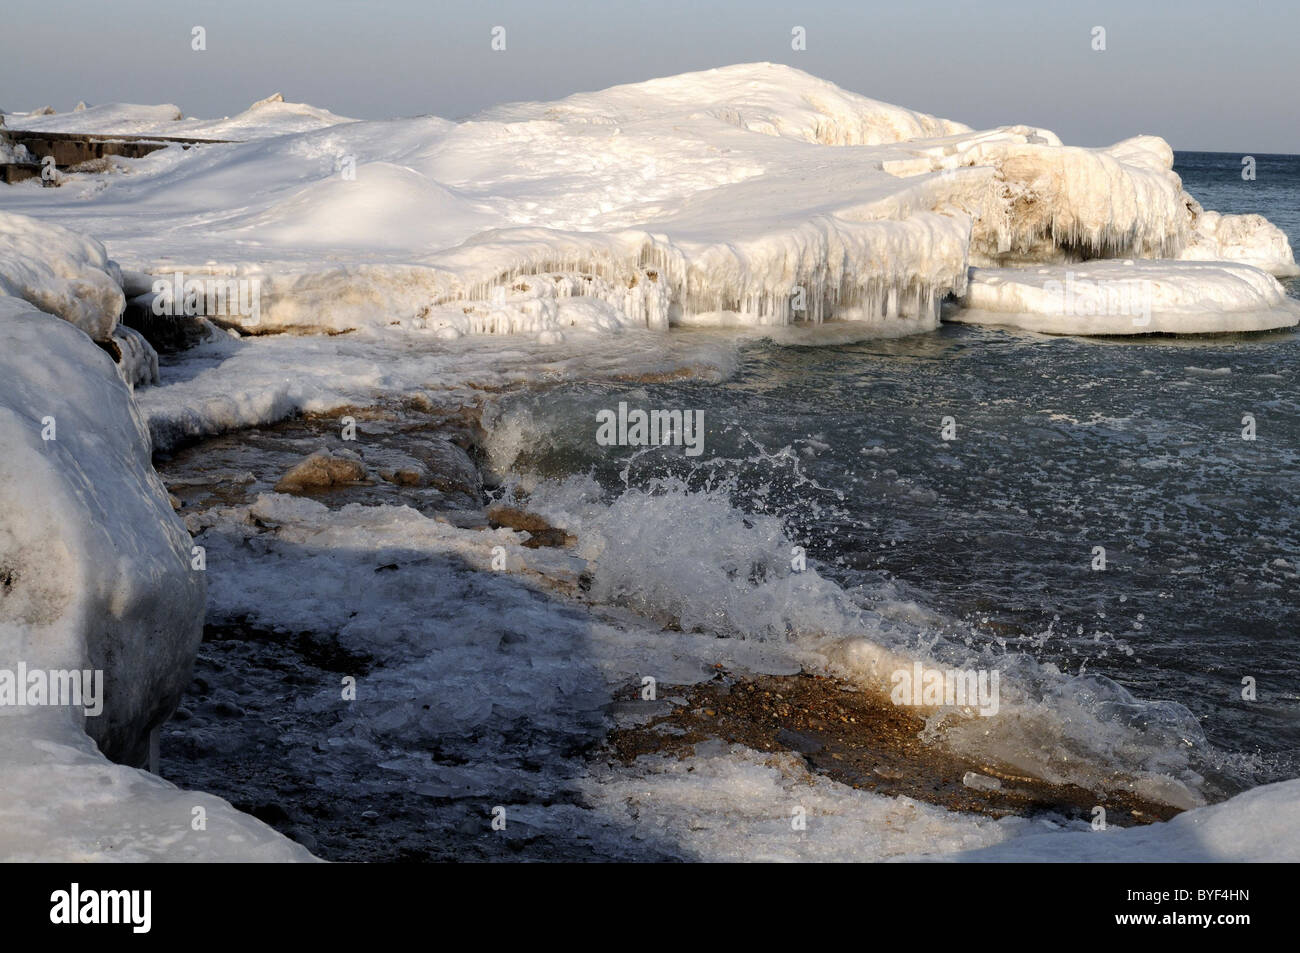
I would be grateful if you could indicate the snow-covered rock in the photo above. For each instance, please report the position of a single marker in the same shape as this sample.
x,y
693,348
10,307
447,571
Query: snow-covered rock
x,y
137,361
61,272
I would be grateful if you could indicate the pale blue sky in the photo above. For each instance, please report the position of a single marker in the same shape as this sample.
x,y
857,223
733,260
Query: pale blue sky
x,y
1203,74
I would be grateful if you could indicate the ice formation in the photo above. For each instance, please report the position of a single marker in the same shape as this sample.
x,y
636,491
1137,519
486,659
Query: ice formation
x,y
61,272
753,194
1248,239
1123,297
97,576
97,567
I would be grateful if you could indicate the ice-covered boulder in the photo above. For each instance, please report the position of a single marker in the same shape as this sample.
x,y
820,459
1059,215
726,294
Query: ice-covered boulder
x,y
137,361
96,567
61,272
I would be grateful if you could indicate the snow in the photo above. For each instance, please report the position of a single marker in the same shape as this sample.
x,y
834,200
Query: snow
x,y
12,152
61,272
123,119
736,805
1257,826
268,117
64,802
1129,297
767,98
732,804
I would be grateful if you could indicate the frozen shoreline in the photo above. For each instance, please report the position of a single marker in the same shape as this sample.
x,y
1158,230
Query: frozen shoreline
x,y
544,242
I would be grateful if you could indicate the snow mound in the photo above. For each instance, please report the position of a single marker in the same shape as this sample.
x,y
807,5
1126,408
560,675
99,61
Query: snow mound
x,y
390,205
1129,297
266,118
767,98
61,272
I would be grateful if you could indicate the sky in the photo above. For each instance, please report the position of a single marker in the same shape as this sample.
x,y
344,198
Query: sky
x,y
1218,76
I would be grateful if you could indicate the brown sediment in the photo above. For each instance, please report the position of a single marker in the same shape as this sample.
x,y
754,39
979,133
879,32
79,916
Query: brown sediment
x,y
658,377
858,738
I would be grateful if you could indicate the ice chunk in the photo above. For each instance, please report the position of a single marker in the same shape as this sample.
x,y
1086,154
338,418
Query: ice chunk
x,y
1248,239
1129,297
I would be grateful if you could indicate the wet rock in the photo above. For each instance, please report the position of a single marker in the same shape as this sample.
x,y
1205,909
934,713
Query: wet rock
x,y
451,470
540,532
514,518
323,470
405,476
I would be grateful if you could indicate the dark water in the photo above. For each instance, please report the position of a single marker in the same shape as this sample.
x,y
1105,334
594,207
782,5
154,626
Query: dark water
x,y
1063,445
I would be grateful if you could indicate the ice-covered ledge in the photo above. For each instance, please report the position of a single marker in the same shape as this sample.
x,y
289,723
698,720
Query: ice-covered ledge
x,y
1125,297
